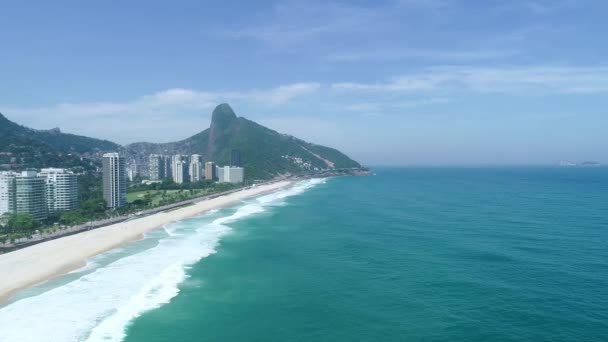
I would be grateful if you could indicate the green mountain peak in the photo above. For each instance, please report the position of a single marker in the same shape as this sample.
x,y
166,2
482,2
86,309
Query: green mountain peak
x,y
264,152
222,116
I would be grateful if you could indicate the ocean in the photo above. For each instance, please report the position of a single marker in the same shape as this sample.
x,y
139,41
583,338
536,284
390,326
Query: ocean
x,y
410,254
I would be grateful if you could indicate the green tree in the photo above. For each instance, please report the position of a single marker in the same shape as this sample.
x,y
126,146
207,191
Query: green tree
x,y
72,217
21,223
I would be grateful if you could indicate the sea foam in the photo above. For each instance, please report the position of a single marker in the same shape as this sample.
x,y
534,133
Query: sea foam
x,y
100,305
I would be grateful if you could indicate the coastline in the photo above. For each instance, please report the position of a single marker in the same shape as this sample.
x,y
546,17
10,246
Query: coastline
x,y
35,264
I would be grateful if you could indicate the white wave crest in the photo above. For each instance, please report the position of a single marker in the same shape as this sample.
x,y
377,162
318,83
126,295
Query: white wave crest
x,y
99,305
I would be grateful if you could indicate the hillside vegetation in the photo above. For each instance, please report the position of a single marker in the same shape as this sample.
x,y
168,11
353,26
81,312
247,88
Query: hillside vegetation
x,y
264,152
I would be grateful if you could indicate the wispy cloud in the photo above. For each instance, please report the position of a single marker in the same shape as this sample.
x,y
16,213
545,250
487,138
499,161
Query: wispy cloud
x,y
423,3
295,22
152,114
427,55
377,107
538,7
281,94
517,80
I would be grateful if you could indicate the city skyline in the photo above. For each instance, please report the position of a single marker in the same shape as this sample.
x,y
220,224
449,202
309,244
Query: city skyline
x,y
427,82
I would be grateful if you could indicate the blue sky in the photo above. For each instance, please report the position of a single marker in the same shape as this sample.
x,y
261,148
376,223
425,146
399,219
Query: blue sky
x,y
401,82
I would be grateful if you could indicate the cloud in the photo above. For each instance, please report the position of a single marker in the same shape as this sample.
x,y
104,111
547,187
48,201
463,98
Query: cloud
x,y
281,94
424,4
515,80
382,106
537,7
294,22
426,55
172,113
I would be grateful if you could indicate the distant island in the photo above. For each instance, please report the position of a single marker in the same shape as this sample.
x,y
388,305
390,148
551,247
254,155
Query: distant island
x,y
583,164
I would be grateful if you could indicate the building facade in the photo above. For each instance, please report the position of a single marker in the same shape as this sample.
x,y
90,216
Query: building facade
x,y
157,170
235,157
7,193
114,180
61,190
132,171
230,174
210,171
30,195
168,169
196,168
180,168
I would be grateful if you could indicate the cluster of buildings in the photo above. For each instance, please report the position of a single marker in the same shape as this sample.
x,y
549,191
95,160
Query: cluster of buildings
x,y
52,190
179,168
300,162
40,194
183,168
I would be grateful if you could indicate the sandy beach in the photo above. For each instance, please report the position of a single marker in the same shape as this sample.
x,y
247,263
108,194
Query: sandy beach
x,y
37,263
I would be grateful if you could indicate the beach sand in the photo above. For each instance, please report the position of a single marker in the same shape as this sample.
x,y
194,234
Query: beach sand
x,y
37,263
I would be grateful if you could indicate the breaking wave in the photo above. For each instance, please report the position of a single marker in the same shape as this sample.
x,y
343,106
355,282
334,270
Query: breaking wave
x,y
100,305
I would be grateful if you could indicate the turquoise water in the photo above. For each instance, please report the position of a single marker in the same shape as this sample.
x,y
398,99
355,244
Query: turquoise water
x,y
488,254
407,255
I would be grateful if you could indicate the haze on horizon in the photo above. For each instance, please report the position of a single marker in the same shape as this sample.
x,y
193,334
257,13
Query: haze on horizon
x,y
398,82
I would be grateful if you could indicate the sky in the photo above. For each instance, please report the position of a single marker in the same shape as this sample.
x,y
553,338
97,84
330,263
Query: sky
x,y
395,82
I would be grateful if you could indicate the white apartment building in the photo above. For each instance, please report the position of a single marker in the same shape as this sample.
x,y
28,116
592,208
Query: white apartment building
x,y
7,192
230,174
179,168
132,171
61,189
196,168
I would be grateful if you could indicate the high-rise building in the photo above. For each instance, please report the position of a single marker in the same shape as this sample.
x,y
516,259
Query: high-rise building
x,y
157,167
61,190
210,171
180,168
196,168
132,171
7,193
168,167
114,180
230,174
235,157
220,173
30,195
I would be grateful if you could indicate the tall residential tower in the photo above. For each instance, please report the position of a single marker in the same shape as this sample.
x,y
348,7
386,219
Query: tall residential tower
x,y
196,168
157,167
210,171
180,168
114,180
7,193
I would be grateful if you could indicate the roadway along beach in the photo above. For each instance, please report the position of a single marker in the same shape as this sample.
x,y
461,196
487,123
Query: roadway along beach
x,y
35,264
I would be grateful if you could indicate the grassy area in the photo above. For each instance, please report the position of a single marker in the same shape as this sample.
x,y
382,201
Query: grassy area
x,y
157,196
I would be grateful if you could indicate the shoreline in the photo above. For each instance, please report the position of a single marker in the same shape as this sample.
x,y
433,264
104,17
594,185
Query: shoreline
x,y
41,262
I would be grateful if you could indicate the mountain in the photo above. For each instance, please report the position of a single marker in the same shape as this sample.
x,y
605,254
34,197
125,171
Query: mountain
x,y
264,153
22,147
